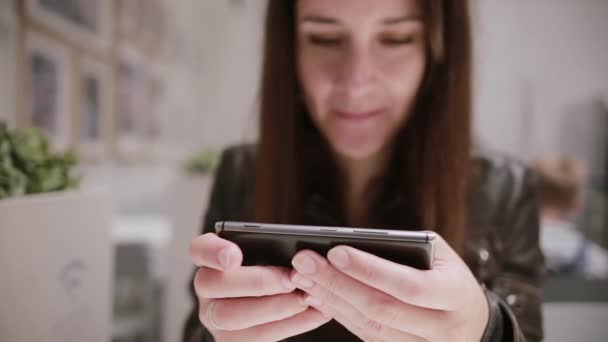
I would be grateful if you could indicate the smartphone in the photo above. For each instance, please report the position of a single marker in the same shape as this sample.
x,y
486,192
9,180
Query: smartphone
x,y
276,244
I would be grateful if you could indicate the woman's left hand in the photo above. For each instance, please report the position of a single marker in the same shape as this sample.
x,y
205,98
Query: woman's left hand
x,y
379,300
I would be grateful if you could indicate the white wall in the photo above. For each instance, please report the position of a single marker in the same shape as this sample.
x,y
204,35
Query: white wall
x,y
214,67
217,58
8,56
575,321
537,62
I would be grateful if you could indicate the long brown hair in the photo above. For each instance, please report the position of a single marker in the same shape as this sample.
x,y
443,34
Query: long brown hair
x,y
433,149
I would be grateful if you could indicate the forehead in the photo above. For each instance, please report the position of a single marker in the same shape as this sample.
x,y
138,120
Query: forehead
x,y
360,12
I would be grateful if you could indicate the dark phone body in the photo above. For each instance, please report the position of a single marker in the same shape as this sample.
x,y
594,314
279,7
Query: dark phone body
x,y
276,244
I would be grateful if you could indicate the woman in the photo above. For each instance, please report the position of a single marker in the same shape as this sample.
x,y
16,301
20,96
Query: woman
x,y
365,111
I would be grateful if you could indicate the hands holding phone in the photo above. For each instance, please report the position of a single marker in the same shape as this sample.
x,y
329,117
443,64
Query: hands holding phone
x,y
373,298
379,300
247,303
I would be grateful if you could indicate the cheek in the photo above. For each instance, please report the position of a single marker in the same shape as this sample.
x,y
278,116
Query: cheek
x,y
402,76
315,76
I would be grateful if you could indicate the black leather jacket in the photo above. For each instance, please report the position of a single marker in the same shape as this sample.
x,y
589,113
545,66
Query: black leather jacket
x,y
502,247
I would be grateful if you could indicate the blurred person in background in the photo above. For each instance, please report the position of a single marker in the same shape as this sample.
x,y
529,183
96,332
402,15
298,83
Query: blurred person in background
x,y
561,182
365,121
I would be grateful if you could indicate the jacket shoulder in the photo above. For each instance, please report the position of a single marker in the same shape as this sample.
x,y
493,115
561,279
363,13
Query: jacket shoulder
x,y
238,156
501,179
234,182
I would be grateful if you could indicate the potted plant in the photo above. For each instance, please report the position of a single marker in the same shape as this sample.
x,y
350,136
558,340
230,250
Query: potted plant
x,y
55,247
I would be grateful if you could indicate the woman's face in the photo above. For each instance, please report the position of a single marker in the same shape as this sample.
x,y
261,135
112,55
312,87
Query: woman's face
x,y
360,64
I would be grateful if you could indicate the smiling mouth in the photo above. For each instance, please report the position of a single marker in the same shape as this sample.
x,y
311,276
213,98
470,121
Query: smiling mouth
x,y
358,116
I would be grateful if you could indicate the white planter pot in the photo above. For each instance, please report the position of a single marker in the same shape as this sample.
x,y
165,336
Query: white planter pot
x,y
187,202
56,268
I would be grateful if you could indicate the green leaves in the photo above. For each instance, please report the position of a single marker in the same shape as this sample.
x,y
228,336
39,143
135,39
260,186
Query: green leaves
x,y
204,162
28,166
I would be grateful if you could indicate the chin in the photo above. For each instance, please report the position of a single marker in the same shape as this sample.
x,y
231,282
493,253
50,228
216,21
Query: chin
x,y
358,139
357,149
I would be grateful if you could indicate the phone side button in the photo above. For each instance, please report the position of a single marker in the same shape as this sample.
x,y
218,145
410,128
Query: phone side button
x,y
328,230
370,232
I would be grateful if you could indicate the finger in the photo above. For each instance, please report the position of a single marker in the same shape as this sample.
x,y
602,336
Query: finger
x,y
245,281
438,288
366,332
277,331
360,303
363,327
209,250
243,313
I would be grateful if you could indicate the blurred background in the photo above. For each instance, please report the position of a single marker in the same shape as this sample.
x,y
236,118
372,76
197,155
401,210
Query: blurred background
x,y
148,92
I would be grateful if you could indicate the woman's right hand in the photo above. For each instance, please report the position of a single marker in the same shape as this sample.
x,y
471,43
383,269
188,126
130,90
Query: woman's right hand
x,y
246,303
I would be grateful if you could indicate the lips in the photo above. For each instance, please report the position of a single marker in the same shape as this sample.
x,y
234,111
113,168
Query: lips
x,y
358,115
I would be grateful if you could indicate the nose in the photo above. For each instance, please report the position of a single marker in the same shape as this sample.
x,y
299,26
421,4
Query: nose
x,y
357,70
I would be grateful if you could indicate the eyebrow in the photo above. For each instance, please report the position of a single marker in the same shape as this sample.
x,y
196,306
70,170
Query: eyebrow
x,y
318,19
405,18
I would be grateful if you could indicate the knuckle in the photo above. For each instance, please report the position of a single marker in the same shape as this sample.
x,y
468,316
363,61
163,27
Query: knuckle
x,y
334,282
260,283
390,316
373,327
383,307
295,303
268,281
195,245
193,250
203,282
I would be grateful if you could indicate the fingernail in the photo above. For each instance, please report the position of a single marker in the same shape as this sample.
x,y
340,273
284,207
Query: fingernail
x,y
224,257
304,264
302,281
312,301
338,257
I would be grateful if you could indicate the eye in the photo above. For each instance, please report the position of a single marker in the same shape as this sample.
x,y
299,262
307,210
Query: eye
x,y
397,41
325,41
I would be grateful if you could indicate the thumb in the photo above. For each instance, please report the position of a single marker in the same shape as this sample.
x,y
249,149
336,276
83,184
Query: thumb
x,y
209,250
